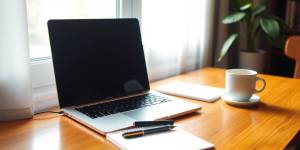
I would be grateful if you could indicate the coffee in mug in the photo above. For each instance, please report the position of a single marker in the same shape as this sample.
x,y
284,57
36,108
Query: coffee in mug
x,y
240,84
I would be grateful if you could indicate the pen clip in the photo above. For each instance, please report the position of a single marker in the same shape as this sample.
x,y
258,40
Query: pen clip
x,y
152,130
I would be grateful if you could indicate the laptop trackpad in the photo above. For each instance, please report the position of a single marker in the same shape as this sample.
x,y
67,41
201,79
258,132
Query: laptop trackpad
x,y
113,122
147,113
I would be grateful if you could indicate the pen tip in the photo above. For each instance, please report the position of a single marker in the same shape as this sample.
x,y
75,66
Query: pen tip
x,y
172,127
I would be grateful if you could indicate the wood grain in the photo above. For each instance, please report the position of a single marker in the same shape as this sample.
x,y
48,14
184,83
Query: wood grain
x,y
270,125
292,50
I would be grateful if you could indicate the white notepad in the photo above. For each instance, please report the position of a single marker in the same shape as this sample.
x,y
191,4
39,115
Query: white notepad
x,y
192,91
176,139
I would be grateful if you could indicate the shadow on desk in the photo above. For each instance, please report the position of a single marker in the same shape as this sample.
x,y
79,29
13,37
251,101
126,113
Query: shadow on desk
x,y
295,143
272,109
276,110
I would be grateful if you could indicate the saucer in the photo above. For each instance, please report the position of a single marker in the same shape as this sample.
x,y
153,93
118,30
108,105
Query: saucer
x,y
254,99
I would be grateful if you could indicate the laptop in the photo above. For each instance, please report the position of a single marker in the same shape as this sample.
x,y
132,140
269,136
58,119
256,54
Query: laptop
x,y
101,75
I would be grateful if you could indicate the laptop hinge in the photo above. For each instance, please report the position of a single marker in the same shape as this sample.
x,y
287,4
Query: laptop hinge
x,y
109,100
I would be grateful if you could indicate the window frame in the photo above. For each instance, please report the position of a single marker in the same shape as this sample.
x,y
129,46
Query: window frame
x,y
43,79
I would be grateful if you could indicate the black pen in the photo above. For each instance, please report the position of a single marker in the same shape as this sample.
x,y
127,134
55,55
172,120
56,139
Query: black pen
x,y
153,123
142,132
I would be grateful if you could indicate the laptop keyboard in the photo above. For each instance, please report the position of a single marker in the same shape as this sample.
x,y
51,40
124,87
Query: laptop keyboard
x,y
104,109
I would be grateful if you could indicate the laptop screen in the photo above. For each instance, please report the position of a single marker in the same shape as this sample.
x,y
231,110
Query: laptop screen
x,y
97,59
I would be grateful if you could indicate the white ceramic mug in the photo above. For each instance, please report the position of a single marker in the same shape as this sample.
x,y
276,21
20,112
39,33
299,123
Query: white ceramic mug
x,y
240,84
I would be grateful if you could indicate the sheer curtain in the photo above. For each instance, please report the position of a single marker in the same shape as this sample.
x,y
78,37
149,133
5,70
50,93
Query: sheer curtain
x,y
176,35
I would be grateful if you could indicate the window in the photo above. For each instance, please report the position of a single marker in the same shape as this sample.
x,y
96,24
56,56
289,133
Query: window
x,y
40,11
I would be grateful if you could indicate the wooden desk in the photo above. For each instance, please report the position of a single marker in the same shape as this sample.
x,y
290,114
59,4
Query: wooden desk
x,y
270,125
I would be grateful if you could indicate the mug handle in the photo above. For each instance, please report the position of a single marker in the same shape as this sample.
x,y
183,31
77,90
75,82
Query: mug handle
x,y
264,85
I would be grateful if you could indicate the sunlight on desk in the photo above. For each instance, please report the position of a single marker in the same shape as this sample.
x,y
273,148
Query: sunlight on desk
x,y
47,139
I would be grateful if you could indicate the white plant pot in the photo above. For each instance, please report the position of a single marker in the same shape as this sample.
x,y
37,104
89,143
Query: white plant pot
x,y
15,79
252,60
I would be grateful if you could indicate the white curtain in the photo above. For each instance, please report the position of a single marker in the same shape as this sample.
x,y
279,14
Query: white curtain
x,y
15,79
176,35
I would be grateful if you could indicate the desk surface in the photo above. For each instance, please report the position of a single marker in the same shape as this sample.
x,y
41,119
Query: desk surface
x,y
271,124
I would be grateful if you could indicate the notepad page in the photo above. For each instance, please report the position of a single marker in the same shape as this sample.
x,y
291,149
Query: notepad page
x,y
177,139
192,91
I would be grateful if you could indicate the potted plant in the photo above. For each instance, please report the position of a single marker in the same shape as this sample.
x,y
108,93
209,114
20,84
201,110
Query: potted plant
x,y
254,23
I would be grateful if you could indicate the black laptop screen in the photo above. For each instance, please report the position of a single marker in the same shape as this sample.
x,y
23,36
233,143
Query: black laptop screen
x,y
97,59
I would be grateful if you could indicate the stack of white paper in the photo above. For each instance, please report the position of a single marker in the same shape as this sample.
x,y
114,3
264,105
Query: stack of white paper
x,y
176,139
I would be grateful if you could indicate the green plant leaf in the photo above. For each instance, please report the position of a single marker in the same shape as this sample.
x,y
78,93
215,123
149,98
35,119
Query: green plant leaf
x,y
233,17
245,7
280,21
243,2
259,9
227,44
236,5
270,27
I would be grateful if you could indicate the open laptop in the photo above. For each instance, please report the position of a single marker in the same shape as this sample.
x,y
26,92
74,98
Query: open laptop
x,y
101,75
